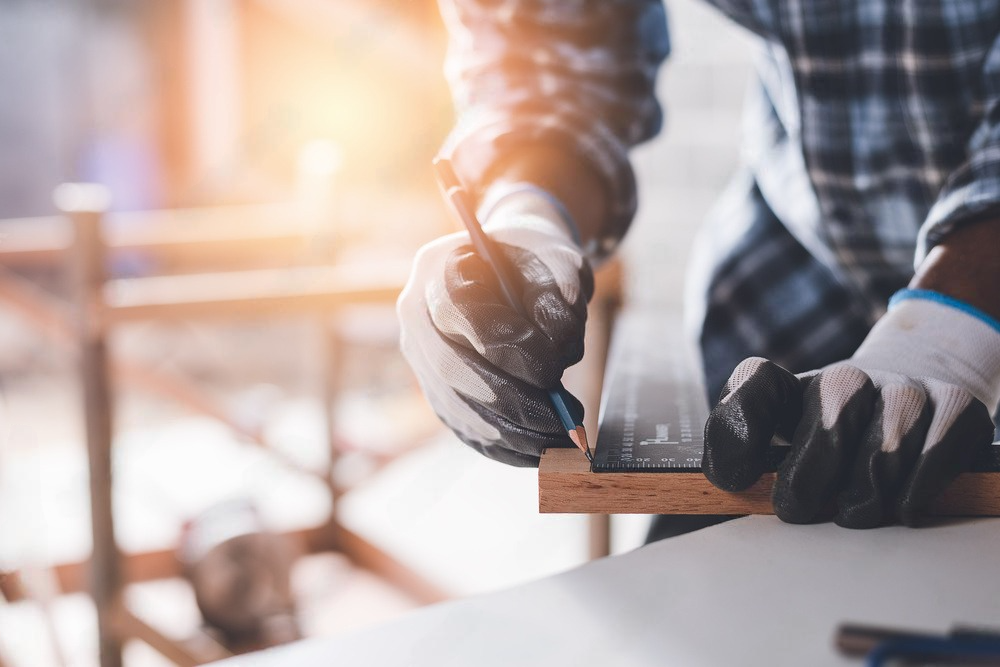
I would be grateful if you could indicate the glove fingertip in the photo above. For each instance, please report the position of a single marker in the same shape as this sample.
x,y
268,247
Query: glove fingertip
x,y
790,510
944,459
912,516
731,463
862,513
739,429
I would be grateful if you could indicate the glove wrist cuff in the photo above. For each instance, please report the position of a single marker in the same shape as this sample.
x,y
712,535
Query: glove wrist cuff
x,y
944,299
928,334
507,201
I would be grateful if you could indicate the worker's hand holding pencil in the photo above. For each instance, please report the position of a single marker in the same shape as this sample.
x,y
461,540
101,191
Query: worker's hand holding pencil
x,y
490,337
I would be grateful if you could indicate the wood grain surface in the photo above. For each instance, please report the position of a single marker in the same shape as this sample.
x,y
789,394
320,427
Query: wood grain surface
x,y
567,486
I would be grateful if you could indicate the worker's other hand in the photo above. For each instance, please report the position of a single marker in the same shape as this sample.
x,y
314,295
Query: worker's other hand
x,y
484,368
875,438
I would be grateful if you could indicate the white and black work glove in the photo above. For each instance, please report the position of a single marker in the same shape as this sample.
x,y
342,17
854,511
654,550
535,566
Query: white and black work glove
x,y
876,438
484,368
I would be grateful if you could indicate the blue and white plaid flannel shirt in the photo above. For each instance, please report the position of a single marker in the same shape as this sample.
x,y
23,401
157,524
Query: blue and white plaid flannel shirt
x,y
873,129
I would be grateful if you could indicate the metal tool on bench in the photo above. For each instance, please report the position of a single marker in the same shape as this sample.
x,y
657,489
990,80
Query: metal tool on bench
x,y
883,646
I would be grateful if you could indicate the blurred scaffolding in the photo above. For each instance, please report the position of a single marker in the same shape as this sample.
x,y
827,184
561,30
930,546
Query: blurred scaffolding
x,y
229,289
247,152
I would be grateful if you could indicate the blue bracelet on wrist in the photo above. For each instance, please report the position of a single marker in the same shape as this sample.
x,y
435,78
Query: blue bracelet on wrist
x,y
945,300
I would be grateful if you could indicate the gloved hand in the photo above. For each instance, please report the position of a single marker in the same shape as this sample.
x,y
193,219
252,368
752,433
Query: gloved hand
x,y
482,366
874,438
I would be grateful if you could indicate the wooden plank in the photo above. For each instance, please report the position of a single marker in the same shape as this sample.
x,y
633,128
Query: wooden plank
x,y
566,485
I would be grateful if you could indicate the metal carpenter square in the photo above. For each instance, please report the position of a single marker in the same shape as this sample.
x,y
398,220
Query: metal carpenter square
x,y
653,409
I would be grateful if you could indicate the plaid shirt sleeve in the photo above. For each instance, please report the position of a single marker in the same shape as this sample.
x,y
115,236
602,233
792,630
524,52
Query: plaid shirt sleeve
x,y
577,74
973,188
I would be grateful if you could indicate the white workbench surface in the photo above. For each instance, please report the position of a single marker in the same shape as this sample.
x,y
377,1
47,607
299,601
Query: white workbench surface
x,y
749,592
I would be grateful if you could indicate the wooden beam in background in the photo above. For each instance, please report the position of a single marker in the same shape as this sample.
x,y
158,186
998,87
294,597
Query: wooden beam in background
x,y
219,236
330,537
188,652
374,559
262,293
85,204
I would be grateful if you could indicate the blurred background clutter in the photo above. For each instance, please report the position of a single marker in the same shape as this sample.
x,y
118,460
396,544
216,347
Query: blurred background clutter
x,y
207,209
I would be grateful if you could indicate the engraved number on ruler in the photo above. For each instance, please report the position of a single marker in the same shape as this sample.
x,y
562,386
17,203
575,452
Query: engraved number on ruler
x,y
662,438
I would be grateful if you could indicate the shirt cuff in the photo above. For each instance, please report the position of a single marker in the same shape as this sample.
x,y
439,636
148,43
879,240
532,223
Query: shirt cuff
x,y
971,193
480,142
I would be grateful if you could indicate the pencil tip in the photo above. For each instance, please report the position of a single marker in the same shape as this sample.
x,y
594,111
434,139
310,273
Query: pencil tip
x,y
579,438
575,437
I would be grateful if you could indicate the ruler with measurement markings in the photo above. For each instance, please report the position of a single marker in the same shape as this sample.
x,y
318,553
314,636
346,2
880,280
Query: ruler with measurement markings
x,y
653,409
654,406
